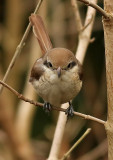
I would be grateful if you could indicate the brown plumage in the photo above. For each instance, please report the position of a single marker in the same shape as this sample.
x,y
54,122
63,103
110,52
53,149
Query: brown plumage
x,y
40,33
57,75
37,70
60,57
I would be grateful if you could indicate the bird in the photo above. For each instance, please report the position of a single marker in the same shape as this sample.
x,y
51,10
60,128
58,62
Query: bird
x,y
57,74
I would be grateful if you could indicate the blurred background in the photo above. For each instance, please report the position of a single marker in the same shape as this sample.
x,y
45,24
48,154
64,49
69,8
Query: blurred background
x,y
26,131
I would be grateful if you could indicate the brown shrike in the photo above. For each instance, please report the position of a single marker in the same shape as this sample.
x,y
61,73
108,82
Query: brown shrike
x,y
56,76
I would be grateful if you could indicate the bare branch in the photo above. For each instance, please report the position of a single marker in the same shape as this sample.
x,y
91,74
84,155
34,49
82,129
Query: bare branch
x,y
88,23
88,117
66,155
77,15
97,152
58,135
20,96
19,47
84,36
108,38
95,6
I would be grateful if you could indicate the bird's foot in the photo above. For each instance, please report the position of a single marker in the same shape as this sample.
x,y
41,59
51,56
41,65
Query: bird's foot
x,y
69,111
47,107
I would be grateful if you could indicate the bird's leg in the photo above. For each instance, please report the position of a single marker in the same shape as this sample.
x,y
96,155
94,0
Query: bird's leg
x,y
47,107
69,111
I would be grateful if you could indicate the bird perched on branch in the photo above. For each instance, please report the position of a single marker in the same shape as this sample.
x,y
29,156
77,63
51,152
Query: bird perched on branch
x,y
57,75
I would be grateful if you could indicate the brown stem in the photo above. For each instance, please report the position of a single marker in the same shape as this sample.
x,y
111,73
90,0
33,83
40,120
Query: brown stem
x,y
20,96
95,6
108,36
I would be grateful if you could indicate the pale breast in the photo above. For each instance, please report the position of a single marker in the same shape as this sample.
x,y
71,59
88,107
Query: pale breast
x,y
56,90
70,86
47,88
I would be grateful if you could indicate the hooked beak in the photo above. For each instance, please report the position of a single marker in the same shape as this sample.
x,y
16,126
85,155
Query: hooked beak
x,y
59,72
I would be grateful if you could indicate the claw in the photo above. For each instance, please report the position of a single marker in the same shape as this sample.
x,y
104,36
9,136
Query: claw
x,y
47,107
69,111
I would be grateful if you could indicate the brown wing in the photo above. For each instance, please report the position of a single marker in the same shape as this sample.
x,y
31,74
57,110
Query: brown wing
x,y
37,70
40,32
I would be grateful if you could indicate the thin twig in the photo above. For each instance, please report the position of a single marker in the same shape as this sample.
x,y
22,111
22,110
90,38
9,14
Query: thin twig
x,y
19,47
88,117
95,6
99,151
77,15
20,96
89,22
66,155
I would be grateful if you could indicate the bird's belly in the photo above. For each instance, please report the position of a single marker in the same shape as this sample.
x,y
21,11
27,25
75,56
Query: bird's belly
x,y
49,91
58,91
69,91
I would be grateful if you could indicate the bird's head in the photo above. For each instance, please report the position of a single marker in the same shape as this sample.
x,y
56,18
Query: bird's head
x,y
61,60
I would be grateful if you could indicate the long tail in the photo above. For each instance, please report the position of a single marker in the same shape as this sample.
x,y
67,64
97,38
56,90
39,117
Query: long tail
x,y
40,32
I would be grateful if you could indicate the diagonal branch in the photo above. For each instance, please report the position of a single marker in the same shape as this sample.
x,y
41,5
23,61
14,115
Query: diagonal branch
x,y
19,47
20,96
88,23
95,6
97,152
66,155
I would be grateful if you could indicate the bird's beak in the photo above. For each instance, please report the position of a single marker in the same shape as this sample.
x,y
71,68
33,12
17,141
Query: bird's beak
x,y
59,72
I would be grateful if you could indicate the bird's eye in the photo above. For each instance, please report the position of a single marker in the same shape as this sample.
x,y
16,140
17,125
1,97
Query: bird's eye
x,y
71,65
48,64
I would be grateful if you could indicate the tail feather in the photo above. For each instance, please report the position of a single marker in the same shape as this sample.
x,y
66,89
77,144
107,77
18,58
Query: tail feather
x,y
40,32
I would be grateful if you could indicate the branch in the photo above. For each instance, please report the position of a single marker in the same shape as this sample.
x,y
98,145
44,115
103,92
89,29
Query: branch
x,y
19,47
66,155
108,38
84,36
88,117
88,23
97,152
58,135
77,15
20,96
95,6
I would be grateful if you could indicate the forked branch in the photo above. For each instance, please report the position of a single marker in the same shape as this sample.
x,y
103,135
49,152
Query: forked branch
x,y
95,6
